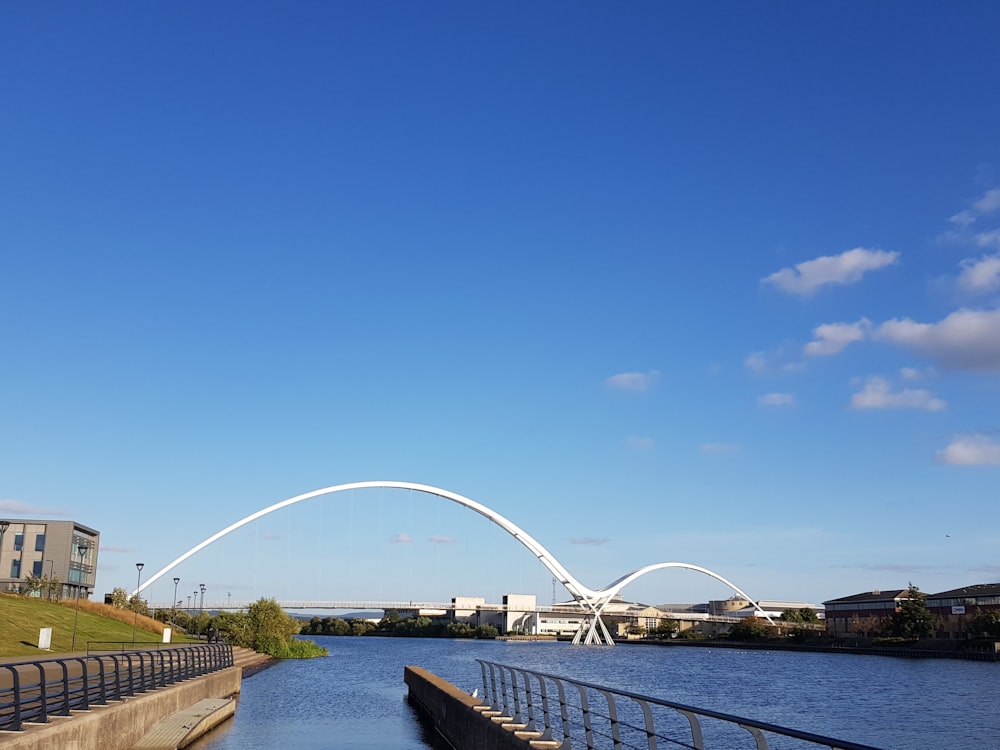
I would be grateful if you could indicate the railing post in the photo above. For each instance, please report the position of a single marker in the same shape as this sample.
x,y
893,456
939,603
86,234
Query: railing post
x,y
647,718
697,741
546,716
16,696
517,698
588,731
616,735
84,683
530,726
563,712
503,690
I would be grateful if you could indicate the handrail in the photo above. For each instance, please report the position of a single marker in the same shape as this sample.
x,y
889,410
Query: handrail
x,y
627,723
32,691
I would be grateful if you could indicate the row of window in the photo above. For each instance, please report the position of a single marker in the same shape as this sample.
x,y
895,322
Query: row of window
x,y
19,542
15,568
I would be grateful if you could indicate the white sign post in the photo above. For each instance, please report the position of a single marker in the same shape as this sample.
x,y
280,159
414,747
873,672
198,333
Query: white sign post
x,y
45,638
166,635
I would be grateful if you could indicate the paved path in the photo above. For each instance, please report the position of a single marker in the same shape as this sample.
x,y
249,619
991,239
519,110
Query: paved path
x,y
184,727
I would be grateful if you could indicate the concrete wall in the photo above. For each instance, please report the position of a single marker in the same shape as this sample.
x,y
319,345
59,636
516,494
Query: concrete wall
x,y
119,725
451,712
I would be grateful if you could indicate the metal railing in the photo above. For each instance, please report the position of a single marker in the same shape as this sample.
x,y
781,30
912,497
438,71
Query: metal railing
x,y
579,714
31,692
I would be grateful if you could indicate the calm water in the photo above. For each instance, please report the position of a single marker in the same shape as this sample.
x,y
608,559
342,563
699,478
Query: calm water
x,y
355,698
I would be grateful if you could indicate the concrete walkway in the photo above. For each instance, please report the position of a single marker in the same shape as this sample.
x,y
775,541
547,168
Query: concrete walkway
x,y
184,727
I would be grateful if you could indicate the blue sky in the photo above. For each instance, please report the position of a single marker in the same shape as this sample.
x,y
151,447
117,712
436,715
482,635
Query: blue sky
x,y
662,282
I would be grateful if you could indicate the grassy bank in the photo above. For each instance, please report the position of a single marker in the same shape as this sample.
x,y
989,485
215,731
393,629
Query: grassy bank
x,y
21,618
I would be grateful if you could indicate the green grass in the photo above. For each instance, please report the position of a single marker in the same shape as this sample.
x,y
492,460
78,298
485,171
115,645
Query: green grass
x,y
21,618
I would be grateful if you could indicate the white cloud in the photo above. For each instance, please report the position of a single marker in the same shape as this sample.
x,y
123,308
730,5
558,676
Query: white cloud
x,y
833,338
639,443
988,239
989,203
846,268
980,276
593,541
965,340
757,362
441,539
776,399
914,373
720,447
974,449
633,381
878,394
17,508
401,538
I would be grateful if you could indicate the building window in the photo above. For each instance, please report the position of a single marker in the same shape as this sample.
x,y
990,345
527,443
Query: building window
x,y
39,542
15,568
18,541
36,569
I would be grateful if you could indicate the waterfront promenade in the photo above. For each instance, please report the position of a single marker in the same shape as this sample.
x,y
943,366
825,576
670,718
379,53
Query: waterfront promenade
x,y
113,701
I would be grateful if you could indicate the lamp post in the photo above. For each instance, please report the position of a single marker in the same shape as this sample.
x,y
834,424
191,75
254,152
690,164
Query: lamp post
x,y
3,527
176,581
81,548
201,609
49,587
138,580
189,604
229,599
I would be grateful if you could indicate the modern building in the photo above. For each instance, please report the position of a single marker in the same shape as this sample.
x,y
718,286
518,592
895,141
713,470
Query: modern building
x,y
65,551
956,607
737,606
866,615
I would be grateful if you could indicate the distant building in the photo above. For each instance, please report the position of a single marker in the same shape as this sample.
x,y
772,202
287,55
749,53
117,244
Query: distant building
x,y
62,550
737,606
956,607
866,615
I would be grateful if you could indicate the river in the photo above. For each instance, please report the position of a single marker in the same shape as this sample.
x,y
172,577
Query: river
x,y
355,698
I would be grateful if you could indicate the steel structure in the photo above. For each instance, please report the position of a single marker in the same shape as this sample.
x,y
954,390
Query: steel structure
x,y
592,631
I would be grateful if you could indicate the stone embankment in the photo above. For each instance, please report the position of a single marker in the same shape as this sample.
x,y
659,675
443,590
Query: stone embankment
x,y
163,719
464,721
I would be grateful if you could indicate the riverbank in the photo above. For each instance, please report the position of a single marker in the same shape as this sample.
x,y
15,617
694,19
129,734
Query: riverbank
x,y
908,653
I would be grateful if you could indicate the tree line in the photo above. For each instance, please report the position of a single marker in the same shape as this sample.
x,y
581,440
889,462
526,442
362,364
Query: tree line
x,y
393,624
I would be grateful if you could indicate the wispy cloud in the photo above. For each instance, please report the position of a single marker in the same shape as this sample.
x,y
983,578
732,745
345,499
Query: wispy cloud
x,y
592,541
965,340
401,538
17,508
878,394
980,276
776,399
833,338
639,443
971,449
757,362
721,447
847,268
989,203
115,548
441,539
633,381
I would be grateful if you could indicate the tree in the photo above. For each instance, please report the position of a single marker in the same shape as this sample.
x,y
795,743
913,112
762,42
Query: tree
x,y
913,619
119,598
750,629
31,585
665,628
987,623
792,615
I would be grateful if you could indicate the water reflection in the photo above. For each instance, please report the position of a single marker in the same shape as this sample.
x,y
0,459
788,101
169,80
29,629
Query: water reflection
x,y
355,698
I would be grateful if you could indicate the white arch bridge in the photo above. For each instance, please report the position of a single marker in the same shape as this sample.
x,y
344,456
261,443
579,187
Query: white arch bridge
x,y
592,602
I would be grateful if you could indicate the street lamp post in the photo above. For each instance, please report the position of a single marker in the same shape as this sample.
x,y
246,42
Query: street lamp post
x,y
229,599
189,604
201,609
3,527
81,548
176,581
49,587
135,618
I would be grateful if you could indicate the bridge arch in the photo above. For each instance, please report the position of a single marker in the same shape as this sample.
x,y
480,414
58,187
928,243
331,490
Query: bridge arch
x,y
575,588
592,601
